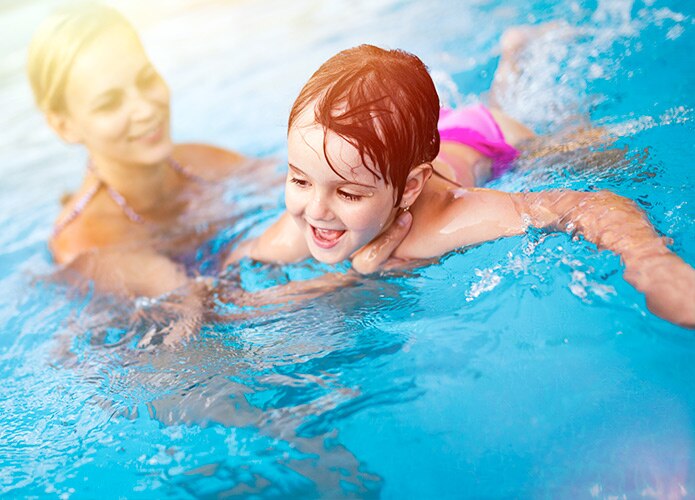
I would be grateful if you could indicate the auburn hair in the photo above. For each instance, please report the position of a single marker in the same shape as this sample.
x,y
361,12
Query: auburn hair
x,y
382,102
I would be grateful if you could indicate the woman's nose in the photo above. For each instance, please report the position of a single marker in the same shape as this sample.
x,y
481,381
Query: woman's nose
x,y
142,107
318,209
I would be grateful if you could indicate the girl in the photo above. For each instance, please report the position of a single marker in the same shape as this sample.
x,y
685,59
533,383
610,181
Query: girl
x,y
364,147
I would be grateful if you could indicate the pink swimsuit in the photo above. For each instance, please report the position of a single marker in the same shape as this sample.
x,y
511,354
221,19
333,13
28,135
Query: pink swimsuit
x,y
475,126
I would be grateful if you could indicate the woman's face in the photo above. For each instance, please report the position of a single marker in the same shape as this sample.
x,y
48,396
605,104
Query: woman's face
x,y
117,105
336,216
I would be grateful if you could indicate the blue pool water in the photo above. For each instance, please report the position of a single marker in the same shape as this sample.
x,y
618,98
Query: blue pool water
x,y
525,367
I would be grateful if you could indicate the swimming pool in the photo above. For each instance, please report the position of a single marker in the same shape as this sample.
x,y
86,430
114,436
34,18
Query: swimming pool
x,y
525,367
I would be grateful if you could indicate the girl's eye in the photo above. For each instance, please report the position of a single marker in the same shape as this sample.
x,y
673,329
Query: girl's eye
x,y
299,182
350,196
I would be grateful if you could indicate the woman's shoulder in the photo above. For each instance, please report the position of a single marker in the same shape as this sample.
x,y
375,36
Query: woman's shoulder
x,y
87,222
207,161
78,237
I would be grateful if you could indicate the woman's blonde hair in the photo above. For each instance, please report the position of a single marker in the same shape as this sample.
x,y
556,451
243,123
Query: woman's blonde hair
x,y
56,45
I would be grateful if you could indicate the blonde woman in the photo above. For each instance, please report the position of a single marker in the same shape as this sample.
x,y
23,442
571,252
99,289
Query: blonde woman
x,y
97,88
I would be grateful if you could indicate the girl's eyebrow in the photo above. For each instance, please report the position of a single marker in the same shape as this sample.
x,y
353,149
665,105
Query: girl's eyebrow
x,y
295,168
343,182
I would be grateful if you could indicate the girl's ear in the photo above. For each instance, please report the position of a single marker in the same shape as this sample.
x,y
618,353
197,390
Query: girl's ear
x,y
417,178
63,126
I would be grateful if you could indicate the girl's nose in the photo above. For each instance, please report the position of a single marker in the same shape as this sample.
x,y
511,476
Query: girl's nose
x,y
317,209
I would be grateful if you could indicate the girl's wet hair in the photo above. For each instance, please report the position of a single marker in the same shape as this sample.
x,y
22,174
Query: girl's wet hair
x,y
383,102
57,44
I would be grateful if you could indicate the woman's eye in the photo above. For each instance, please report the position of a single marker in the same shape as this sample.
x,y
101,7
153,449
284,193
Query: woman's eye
x,y
299,182
350,196
109,104
148,78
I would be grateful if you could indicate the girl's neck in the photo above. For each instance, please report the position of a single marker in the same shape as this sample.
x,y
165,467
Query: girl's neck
x,y
142,186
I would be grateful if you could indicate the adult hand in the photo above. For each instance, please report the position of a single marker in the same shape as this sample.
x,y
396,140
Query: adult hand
x,y
375,255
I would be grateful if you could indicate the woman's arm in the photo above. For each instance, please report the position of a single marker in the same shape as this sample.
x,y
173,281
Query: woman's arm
x,y
144,274
283,243
606,219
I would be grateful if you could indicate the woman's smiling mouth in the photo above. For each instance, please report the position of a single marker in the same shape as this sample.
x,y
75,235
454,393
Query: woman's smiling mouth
x,y
151,135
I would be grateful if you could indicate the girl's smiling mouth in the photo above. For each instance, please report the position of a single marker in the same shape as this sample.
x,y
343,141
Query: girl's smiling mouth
x,y
326,238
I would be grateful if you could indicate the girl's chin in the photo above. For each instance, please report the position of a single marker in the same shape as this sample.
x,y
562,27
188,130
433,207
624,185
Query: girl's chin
x,y
329,257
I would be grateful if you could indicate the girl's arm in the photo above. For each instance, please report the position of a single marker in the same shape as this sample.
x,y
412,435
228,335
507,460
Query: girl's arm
x,y
606,219
616,223
283,243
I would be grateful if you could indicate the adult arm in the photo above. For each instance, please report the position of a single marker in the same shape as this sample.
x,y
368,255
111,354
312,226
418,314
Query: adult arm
x,y
378,253
371,258
144,274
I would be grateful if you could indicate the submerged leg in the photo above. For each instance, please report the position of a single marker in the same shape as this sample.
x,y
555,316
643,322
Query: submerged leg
x,y
513,43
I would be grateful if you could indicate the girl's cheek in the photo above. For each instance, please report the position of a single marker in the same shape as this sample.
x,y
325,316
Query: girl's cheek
x,y
364,218
293,201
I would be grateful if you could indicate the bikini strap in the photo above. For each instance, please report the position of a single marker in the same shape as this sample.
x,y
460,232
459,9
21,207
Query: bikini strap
x,y
77,209
117,197
120,201
184,171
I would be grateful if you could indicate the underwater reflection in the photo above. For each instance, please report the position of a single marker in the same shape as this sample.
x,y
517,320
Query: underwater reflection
x,y
276,377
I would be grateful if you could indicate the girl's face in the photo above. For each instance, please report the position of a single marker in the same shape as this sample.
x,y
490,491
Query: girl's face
x,y
336,216
117,104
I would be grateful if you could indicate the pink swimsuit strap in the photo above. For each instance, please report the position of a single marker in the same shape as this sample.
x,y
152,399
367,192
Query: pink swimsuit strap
x,y
77,209
474,126
177,167
117,197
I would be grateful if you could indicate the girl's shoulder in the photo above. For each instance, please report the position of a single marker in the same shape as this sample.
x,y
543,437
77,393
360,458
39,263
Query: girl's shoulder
x,y
427,211
207,161
444,220
282,243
